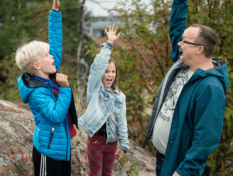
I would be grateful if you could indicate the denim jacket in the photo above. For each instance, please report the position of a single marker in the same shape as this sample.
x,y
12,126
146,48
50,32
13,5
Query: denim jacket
x,y
104,106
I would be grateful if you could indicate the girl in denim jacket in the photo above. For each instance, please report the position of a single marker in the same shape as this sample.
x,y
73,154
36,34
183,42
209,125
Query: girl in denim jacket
x,y
105,117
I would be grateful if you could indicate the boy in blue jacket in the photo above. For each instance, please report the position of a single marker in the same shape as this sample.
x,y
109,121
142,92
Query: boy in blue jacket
x,y
50,99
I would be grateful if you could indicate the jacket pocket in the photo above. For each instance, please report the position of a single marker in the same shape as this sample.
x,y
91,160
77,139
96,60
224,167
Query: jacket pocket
x,y
117,109
93,143
51,137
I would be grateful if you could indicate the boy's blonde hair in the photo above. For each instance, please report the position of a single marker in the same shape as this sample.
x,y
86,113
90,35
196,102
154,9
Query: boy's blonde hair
x,y
29,54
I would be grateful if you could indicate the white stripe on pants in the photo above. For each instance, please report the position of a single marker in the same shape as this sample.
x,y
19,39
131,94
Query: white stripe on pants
x,y
43,171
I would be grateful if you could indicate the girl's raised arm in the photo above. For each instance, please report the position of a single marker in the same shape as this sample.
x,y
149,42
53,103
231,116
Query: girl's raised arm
x,y
100,63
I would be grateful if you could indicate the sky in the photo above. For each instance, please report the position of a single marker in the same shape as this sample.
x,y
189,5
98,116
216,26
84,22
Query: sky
x,y
107,4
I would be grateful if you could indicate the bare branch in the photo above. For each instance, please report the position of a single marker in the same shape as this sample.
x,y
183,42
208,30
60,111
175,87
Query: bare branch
x,y
90,36
160,65
81,22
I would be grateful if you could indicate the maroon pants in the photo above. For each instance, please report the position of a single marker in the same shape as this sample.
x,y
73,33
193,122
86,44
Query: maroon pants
x,y
101,156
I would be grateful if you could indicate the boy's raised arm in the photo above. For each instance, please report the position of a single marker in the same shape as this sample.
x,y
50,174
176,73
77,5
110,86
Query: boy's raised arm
x,y
177,26
55,33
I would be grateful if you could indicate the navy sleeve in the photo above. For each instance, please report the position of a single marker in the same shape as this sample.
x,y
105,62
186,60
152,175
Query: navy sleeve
x,y
177,26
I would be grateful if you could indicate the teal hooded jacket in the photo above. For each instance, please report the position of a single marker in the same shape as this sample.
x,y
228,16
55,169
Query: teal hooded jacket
x,y
198,117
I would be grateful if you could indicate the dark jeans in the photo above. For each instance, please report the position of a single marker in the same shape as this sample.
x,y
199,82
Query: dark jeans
x,y
159,163
158,168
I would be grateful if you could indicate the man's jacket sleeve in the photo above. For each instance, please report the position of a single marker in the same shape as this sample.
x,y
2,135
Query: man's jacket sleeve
x,y
208,122
177,26
55,37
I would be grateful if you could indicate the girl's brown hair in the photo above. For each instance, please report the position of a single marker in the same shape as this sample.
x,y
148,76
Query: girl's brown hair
x,y
116,78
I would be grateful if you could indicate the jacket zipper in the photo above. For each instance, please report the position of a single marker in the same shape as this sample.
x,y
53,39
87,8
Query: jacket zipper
x,y
67,141
53,128
51,137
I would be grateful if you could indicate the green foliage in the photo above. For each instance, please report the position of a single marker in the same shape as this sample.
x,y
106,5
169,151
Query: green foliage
x,y
9,87
32,24
13,22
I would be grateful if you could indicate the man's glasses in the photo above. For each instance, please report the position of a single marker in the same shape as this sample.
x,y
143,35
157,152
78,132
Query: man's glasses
x,y
183,42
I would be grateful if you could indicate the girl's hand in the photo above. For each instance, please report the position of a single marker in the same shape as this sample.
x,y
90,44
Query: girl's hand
x,y
112,37
56,5
122,154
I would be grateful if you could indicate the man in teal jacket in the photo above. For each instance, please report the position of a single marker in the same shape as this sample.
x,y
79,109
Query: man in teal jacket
x,y
187,117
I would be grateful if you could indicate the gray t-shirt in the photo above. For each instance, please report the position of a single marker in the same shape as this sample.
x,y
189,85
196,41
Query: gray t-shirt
x,y
165,116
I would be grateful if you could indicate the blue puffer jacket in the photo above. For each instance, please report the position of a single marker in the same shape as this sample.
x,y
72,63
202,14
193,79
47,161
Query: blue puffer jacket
x,y
198,117
50,137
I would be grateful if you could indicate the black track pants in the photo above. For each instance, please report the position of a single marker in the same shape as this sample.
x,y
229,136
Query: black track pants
x,y
45,166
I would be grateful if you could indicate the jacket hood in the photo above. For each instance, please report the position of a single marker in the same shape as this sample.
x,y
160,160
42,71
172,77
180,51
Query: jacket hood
x,y
219,71
27,85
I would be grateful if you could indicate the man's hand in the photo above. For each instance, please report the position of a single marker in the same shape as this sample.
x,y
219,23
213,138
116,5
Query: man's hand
x,y
175,174
112,37
62,80
56,5
122,154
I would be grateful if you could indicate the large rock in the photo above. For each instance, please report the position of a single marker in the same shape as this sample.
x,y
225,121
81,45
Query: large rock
x,y
16,130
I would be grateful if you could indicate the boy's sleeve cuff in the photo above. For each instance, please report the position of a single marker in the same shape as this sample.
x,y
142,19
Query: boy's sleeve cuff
x,y
53,13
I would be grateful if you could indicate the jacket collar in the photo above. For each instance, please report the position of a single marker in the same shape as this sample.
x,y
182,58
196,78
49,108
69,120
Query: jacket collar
x,y
114,87
30,82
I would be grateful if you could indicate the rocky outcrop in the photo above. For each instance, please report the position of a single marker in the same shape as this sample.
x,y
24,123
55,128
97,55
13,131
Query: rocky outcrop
x,y
16,131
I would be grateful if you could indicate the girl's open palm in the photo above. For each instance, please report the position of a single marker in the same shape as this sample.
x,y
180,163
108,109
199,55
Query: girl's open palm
x,y
112,37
